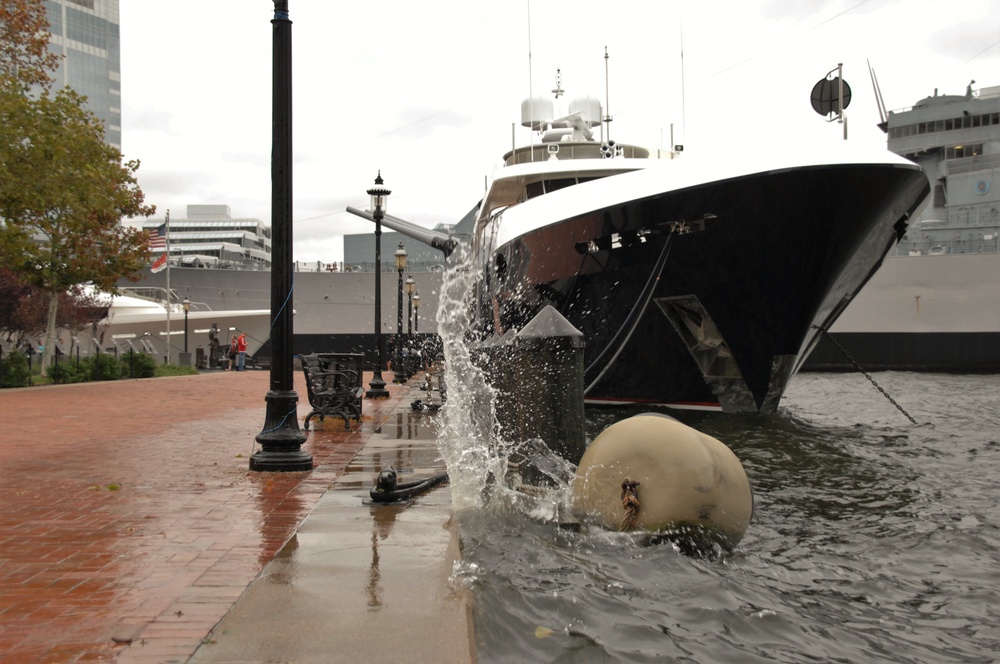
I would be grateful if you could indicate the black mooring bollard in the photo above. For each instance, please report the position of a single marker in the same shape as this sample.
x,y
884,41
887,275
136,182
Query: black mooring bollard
x,y
549,398
537,375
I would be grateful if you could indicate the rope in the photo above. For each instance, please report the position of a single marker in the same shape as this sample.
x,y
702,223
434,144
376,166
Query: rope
x,y
630,501
283,304
865,373
635,315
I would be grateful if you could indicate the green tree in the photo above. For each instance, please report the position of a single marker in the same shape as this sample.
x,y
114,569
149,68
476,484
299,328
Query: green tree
x,y
63,190
25,57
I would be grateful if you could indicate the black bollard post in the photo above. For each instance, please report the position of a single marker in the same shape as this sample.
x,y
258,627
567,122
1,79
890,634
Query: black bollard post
x,y
549,394
537,375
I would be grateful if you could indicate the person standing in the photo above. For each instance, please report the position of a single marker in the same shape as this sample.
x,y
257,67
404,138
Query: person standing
x,y
241,349
233,345
213,346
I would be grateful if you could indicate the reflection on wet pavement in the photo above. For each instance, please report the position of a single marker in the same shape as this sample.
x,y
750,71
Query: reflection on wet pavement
x,y
130,521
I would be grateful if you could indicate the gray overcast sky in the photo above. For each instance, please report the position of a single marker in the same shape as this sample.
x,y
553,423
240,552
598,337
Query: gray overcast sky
x,y
428,91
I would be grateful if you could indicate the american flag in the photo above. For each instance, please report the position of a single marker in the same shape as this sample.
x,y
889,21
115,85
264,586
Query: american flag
x,y
158,238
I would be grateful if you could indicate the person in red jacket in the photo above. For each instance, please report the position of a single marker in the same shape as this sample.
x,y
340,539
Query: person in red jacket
x,y
241,349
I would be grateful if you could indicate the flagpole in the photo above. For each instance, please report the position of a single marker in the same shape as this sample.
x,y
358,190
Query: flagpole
x,y
166,250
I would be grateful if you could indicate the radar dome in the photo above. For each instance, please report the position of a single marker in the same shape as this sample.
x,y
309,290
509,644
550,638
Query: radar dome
x,y
589,108
536,112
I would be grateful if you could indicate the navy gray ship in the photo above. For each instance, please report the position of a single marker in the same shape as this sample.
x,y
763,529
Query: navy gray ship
x,y
935,303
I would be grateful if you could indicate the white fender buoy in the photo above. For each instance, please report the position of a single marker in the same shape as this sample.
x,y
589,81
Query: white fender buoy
x,y
690,485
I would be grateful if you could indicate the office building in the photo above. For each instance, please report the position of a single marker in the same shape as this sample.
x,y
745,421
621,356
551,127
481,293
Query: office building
x,y
85,33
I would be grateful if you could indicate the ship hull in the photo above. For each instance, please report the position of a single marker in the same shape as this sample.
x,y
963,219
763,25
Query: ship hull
x,y
920,313
719,317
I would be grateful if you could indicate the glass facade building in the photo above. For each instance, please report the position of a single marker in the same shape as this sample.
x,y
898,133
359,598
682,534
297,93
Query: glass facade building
x,y
86,34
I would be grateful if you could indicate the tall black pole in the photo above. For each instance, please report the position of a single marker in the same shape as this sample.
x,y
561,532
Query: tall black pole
x,y
376,388
409,327
281,439
400,376
409,317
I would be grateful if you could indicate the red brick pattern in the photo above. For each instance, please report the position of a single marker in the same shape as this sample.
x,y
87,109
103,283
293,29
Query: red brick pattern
x,y
129,521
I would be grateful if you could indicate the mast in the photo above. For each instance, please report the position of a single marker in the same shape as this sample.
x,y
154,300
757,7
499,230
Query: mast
x,y
607,100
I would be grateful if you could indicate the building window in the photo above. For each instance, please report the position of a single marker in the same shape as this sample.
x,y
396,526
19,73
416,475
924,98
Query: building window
x,y
963,151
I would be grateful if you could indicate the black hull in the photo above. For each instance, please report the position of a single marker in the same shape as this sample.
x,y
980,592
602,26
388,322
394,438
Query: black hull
x,y
736,306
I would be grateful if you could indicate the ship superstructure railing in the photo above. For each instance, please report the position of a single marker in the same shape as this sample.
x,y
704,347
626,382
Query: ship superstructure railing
x,y
571,150
989,243
163,297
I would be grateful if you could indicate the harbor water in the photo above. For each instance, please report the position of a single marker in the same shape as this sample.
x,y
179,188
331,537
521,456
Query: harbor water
x,y
873,539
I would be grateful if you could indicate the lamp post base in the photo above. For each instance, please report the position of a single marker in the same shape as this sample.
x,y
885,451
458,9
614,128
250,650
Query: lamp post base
x,y
376,388
281,440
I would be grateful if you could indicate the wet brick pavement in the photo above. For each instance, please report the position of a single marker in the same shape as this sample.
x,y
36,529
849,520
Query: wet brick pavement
x,y
128,515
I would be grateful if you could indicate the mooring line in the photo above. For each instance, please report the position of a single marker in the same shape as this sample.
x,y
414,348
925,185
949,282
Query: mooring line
x,y
866,374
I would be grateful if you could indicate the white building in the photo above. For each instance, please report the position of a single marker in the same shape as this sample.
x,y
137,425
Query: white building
x,y
209,236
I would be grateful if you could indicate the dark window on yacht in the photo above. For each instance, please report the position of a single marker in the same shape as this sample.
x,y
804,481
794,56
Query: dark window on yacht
x,y
548,186
948,125
976,120
995,118
939,125
554,185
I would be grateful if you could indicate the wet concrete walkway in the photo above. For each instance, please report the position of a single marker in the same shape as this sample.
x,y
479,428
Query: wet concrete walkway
x,y
131,526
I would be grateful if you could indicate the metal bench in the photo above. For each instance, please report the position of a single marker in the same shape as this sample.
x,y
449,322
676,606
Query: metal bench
x,y
334,386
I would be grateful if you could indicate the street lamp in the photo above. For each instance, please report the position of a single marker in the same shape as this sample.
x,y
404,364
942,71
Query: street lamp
x,y
187,308
416,312
379,196
400,375
280,438
409,324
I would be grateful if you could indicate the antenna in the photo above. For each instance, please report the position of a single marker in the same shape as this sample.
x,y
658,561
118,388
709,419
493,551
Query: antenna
x,y
531,92
558,91
683,100
607,101
878,97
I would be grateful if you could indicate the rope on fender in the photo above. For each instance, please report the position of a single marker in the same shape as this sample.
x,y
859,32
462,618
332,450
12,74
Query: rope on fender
x,y
630,501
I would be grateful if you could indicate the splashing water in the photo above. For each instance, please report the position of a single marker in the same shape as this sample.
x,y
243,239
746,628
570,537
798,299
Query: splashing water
x,y
468,418
469,435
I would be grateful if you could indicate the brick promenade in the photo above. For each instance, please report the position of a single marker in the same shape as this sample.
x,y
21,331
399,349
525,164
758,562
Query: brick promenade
x,y
128,513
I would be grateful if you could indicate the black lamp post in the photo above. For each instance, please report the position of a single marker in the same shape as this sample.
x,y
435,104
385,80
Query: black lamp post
x,y
379,195
400,375
281,439
416,312
187,308
409,325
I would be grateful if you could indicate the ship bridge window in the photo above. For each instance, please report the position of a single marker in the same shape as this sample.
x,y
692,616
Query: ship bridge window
x,y
542,187
963,151
964,122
